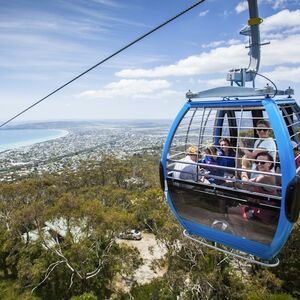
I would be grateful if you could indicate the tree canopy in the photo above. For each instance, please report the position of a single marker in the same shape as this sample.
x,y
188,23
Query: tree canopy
x,y
58,241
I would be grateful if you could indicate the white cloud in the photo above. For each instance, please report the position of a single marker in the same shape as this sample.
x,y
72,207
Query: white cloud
x,y
161,95
203,13
276,4
108,3
283,21
134,88
213,44
45,22
283,50
233,42
33,41
279,74
285,74
220,43
216,60
242,6
227,13
213,82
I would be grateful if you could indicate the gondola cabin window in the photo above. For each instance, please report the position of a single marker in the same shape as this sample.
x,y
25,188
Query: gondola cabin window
x,y
223,170
291,116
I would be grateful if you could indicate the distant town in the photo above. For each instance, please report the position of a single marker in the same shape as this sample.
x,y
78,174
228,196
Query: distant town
x,y
85,141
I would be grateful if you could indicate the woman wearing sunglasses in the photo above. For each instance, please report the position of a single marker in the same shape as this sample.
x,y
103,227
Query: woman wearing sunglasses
x,y
263,183
262,144
264,164
259,216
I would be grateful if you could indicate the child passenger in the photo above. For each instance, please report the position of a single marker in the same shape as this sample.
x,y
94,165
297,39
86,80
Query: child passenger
x,y
210,158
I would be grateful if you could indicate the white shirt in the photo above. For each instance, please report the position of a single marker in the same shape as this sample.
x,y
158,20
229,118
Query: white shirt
x,y
179,166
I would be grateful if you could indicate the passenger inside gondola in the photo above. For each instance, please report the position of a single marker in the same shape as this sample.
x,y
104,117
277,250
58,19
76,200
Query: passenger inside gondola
x,y
226,157
186,168
265,181
210,159
247,167
297,155
263,143
262,213
264,165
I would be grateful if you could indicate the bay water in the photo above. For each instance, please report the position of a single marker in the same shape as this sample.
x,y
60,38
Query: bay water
x,y
15,138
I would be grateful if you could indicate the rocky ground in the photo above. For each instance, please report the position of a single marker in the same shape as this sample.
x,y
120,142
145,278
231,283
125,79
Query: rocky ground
x,y
149,250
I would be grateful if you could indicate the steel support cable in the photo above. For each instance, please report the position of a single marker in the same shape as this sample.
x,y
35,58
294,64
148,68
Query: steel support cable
x,y
104,60
265,77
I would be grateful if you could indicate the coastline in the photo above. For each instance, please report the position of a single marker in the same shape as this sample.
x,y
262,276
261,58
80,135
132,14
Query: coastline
x,y
52,135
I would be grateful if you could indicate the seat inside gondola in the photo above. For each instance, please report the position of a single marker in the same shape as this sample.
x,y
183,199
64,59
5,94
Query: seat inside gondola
x,y
216,195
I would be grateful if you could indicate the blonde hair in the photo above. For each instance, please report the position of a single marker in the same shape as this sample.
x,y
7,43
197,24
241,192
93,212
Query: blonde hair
x,y
246,162
192,150
210,149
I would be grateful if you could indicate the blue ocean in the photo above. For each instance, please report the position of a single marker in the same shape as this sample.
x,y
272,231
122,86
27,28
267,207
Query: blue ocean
x,y
15,138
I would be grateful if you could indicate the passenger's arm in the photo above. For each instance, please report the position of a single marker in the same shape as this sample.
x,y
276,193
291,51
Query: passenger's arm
x,y
253,154
244,176
265,179
247,152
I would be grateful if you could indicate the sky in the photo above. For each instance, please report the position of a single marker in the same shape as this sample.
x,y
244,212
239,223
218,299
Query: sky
x,y
46,43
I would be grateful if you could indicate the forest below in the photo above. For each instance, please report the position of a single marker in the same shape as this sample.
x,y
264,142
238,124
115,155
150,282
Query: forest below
x,y
98,201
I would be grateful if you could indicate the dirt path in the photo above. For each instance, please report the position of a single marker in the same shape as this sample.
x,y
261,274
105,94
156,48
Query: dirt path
x,y
149,251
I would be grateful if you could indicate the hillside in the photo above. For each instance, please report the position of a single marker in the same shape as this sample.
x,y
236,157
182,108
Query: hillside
x,y
98,201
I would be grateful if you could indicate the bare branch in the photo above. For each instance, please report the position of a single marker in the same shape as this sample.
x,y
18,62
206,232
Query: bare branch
x,y
95,273
48,272
68,263
100,261
59,253
210,286
6,218
71,280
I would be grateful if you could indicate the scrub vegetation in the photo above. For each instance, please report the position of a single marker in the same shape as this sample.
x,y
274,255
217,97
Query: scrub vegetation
x,y
58,241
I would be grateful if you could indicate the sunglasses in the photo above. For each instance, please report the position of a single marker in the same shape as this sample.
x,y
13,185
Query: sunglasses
x,y
259,162
262,129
